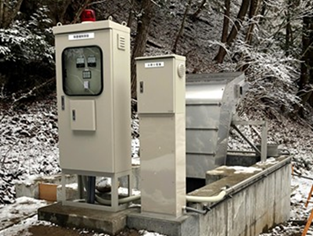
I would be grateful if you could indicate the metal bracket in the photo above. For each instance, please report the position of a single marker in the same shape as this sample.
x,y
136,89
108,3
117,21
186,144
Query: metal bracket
x,y
264,124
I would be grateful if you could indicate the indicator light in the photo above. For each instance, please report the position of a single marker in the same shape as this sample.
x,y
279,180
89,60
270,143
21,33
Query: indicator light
x,y
88,15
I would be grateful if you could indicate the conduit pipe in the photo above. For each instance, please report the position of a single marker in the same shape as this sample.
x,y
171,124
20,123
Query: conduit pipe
x,y
190,209
216,198
108,202
121,200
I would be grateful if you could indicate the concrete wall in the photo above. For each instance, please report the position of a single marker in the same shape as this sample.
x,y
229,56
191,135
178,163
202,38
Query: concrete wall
x,y
254,209
256,202
30,188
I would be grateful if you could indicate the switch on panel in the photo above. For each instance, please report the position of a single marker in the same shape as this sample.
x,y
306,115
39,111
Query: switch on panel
x,y
87,74
80,62
91,61
86,85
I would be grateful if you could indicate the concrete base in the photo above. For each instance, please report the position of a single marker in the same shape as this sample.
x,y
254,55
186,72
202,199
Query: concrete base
x,y
256,201
186,225
108,222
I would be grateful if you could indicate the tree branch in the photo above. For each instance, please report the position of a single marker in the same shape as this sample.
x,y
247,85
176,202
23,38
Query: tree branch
x,y
30,92
94,3
199,10
79,12
174,48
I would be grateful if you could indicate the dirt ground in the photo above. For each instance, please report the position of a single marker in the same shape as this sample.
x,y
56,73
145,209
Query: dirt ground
x,y
44,230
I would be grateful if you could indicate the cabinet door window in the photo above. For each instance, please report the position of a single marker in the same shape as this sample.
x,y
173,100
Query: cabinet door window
x,y
82,71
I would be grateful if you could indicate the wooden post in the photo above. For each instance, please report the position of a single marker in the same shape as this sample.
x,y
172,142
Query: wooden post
x,y
308,223
309,197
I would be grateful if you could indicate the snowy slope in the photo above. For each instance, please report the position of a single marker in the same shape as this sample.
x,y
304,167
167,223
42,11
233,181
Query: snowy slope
x,y
28,145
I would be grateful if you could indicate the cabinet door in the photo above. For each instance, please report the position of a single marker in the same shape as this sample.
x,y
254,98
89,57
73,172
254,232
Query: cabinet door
x,y
82,114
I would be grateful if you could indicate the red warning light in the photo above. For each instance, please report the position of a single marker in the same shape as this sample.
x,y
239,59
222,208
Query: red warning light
x,y
88,15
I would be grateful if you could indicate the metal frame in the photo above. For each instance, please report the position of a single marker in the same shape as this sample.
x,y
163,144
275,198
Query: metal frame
x,y
114,190
264,124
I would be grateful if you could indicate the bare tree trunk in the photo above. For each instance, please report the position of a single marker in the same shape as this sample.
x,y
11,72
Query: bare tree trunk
x,y
131,14
140,40
305,89
262,19
306,56
199,10
254,8
61,10
235,29
238,23
174,48
306,77
288,29
310,100
8,12
1,12
225,29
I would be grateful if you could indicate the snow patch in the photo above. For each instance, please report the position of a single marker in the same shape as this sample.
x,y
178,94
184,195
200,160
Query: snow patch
x,y
243,169
23,208
147,233
269,161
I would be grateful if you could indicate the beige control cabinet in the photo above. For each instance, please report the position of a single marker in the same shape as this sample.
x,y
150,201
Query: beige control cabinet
x,y
161,109
93,89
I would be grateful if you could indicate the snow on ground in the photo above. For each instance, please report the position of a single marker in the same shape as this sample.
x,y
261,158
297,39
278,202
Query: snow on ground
x,y
31,226
299,198
269,161
17,217
29,148
135,151
147,233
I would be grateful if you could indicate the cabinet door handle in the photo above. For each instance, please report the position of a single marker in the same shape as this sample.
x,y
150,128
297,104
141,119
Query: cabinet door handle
x,y
73,115
62,103
141,87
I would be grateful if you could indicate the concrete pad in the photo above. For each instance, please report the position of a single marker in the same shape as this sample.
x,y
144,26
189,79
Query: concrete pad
x,y
186,225
108,222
